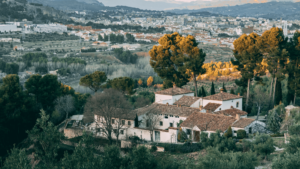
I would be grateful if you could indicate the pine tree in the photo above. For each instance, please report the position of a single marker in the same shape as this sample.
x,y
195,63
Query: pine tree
x,y
224,88
228,132
203,92
278,93
212,89
232,91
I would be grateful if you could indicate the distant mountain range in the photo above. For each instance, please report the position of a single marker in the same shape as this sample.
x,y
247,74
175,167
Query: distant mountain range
x,y
272,10
92,5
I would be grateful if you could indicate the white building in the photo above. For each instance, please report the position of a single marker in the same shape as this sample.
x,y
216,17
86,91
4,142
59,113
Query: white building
x,y
50,28
171,95
8,28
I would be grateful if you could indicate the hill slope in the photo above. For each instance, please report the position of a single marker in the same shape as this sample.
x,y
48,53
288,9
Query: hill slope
x,y
273,10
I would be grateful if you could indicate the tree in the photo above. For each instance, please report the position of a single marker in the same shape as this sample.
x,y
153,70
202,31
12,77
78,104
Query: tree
x,y
241,134
123,84
46,139
278,93
203,92
112,158
83,156
167,60
247,52
232,91
260,100
140,82
65,104
142,158
12,68
45,89
224,88
228,132
237,160
151,121
287,161
273,121
150,81
199,93
111,107
17,114
274,44
100,38
212,89
94,80
17,159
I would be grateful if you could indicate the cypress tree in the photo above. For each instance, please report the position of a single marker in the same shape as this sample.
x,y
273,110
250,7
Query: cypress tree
x,y
232,91
136,121
278,94
224,88
203,92
199,93
212,89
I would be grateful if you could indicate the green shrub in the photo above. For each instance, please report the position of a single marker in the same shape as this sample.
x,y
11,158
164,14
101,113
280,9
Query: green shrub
x,y
153,148
241,134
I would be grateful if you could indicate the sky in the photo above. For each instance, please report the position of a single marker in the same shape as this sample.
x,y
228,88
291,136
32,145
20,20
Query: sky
x,y
180,4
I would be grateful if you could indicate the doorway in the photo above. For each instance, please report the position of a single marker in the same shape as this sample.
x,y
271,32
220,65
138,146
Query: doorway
x,y
196,136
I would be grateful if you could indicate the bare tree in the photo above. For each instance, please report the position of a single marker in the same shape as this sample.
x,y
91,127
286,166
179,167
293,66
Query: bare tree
x,y
110,108
260,99
152,120
65,104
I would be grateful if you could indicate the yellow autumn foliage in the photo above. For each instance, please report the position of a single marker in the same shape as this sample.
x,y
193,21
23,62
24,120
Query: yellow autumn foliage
x,y
150,81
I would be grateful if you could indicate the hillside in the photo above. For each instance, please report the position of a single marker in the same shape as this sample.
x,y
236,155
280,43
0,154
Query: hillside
x,y
273,10
21,9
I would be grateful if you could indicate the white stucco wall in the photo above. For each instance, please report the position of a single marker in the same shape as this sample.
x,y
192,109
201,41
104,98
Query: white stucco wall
x,y
197,104
225,104
164,99
166,122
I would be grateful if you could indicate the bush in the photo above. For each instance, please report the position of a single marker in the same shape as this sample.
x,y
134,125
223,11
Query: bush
x,y
241,134
228,132
153,148
277,135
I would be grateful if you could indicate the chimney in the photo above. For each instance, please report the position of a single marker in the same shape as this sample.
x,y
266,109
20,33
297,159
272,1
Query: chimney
x,y
167,104
238,94
174,85
231,107
237,117
221,90
177,105
201,107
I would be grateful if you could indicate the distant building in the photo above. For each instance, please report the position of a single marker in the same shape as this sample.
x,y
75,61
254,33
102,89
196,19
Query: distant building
x,y
8,28
248,30
50,28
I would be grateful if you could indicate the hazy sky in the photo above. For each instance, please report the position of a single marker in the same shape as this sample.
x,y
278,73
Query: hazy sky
x,y
180,4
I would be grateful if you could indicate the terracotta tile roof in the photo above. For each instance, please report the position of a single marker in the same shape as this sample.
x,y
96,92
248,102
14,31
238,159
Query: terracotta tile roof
x,y
243,122
174,91
208,122
212,106
231,112
222,96
166,109
187,101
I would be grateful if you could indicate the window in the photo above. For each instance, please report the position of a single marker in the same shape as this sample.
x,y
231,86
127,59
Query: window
x,y
112,121
166,116
188,131
121,132
123,122
219,108
171,115
171,124
160,114
250,130
161,123
129,123
234,131
115,131
237,104
176,116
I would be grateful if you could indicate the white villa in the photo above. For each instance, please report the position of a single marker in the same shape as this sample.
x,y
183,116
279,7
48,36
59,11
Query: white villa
x,y
176,108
